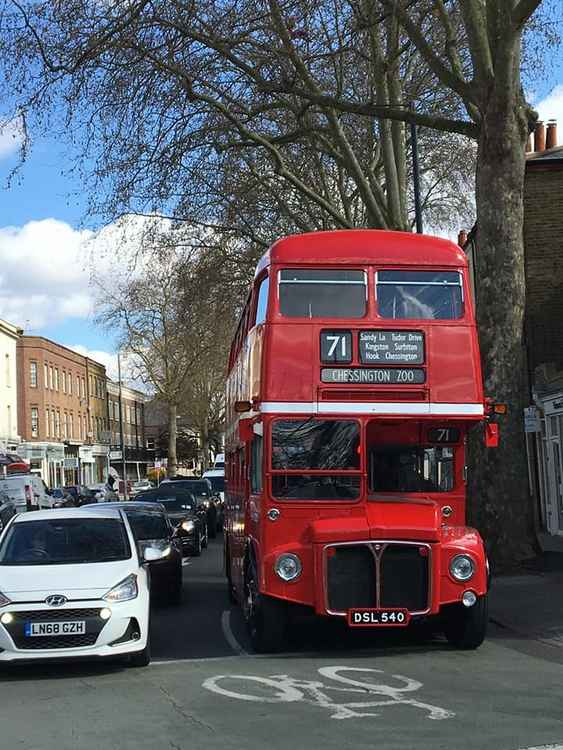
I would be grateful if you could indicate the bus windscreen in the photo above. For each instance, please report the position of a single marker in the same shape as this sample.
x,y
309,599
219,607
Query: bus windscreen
x,y
419,295
322,293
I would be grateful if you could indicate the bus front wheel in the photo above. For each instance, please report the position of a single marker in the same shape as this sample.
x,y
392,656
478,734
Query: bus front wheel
x,y
466,627
266,618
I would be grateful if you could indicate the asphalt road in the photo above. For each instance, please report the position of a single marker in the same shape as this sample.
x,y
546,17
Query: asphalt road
x,y
332,690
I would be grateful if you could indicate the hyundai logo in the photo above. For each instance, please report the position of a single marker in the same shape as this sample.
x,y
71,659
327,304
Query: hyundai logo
x,y
56,600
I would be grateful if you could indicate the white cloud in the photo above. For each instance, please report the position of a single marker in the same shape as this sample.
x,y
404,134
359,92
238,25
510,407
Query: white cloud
x,y
551,107
11,137
107,359
43,273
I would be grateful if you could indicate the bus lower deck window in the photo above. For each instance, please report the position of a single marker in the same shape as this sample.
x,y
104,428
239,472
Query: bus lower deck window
x,y
322,293
419,295
315,487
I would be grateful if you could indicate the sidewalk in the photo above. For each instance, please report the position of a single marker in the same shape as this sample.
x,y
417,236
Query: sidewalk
x,y
531,603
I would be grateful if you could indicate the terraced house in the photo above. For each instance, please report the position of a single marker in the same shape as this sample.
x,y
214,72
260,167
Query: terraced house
x,y
62,412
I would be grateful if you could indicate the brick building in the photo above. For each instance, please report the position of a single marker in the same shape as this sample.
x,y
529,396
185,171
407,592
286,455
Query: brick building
x,y
132,416
59,411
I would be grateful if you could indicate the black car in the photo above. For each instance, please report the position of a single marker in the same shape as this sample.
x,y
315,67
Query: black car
x,y
7,509
78,492
186,514
152,528
203,490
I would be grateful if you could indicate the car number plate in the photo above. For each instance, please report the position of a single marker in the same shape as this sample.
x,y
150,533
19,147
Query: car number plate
x,y
35,629
378,618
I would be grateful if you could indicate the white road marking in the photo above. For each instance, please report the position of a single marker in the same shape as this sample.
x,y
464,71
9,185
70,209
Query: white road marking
x,y
229,635
286,689
186,563
166,662
544,747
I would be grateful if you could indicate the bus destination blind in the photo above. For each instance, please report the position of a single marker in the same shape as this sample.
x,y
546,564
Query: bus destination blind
x,y
392,348
373,375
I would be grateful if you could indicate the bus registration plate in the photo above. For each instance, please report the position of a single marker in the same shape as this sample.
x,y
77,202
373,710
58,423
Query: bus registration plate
x,y
373,375
390,617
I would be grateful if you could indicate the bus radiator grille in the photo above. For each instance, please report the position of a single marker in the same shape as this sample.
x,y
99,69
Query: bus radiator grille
x,y
377,575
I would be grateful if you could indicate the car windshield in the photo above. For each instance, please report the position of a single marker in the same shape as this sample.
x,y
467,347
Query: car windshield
x,y
218,483
197,486
173,500
65,541
148,524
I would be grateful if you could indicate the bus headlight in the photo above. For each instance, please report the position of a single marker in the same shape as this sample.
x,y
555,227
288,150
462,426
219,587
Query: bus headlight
x,y
462,567
288,567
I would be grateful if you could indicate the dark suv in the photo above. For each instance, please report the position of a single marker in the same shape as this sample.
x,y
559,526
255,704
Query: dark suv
x,y
203,490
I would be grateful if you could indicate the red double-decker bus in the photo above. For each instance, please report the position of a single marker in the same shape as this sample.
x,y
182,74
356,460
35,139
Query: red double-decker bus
x,y
354,378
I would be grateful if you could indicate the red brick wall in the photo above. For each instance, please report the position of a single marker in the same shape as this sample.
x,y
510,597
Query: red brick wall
x,y
543,237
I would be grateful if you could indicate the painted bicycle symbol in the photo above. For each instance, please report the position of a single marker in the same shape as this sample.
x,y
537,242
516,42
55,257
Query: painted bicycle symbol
x,y
282,688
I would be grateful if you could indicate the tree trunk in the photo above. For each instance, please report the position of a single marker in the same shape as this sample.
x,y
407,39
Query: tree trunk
x,y
172,438
500,504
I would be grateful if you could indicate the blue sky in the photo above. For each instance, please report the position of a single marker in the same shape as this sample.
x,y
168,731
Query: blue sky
x,y
44,270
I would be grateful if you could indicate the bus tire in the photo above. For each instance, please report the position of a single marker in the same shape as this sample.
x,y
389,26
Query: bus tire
x,y
266,618
466,627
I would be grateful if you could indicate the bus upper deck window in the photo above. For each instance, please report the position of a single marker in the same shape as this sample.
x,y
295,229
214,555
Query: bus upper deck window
x,y
262,303
420,295
322,293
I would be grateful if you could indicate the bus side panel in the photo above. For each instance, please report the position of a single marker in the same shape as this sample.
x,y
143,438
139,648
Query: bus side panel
x,y
290,377
452,350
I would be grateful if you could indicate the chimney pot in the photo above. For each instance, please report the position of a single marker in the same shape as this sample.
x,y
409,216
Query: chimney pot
x,y
539,137
551,135
462,238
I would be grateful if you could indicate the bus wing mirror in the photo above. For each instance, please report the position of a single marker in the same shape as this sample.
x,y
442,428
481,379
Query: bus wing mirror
x,y
245,430
491,435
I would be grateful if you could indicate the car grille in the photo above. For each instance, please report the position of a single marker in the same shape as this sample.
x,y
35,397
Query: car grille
x,y
16,628
378,574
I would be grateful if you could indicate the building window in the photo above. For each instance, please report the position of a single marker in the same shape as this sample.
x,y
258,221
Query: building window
x,y
34,422
46,374
7,364
58,423
85,427
56,378
9,419
33,374
78,386
151,444
51,377
64,380
65,426
71,426
47,428
53,433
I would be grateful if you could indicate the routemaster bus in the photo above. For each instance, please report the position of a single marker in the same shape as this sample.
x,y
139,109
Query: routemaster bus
x,y
354,379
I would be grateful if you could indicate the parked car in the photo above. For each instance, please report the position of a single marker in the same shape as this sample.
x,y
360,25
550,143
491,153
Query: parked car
x,y
103,493
27,491
152,527
219,462
217,479
88,496
62,498
74,584
186,514
143,485
203,491
7,509
78,492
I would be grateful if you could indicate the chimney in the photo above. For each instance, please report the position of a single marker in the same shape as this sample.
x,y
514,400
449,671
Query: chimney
x,y
462,238
551,136
539,137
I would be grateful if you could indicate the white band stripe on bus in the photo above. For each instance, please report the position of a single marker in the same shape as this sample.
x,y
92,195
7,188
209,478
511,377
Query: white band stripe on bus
x,y
371,407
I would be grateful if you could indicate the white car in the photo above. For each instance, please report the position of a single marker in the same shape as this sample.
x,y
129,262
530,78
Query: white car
x,y
73,584
143,485
103,493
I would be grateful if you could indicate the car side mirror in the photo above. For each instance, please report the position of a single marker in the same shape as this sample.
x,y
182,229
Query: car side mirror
x,y
152,554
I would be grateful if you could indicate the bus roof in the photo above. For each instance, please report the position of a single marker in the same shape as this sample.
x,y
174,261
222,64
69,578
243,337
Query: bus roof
x,y
364,246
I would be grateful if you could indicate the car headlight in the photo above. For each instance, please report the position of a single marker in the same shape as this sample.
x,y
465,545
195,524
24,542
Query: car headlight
x,y
288,567
462,567
124,591
3,600
187,525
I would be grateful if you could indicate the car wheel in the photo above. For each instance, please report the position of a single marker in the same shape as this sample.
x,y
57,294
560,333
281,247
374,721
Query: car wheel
x,y
141,658
466,627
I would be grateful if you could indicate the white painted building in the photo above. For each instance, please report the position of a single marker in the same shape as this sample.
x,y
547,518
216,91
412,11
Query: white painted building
x,y
9,438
